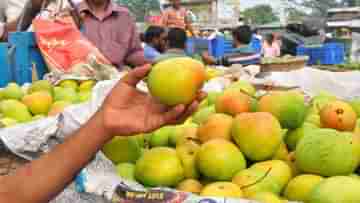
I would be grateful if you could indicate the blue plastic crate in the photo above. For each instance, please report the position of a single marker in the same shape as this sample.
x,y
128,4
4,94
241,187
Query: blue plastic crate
x,y
221,46
302,51
6,75
26,56
334,53
256,45
197,46
328,54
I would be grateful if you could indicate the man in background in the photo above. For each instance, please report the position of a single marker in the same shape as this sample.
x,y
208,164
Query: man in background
x,y
176,44
113,31
177,16
155,42
11,9
10,12
242,53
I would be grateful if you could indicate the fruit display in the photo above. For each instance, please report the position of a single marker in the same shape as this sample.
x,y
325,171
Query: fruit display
x,y
240,143
41,99
284,149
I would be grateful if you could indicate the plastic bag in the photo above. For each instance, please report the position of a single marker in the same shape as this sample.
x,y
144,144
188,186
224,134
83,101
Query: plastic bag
x,y
66,50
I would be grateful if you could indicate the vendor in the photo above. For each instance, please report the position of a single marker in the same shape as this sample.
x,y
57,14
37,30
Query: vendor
x,y
242,53
111,29
177,16
126,111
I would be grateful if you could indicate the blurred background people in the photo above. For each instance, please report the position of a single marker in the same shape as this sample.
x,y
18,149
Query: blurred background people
x,y
155,42
271,46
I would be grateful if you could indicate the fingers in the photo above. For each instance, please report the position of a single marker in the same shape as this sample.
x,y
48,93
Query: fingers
x,y
173,114
136,75
201,96
190,110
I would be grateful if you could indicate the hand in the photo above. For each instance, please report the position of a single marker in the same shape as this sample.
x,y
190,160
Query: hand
x,y
207,58
127,110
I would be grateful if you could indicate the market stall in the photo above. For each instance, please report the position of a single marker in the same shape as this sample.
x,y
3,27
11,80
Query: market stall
x,y
275,132
93,183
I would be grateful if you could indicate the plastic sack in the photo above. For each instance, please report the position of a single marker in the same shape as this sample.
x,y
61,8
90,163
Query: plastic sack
x,y
66,50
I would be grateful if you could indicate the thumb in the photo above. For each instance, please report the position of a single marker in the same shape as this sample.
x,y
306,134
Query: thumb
x,y
173,114
136,75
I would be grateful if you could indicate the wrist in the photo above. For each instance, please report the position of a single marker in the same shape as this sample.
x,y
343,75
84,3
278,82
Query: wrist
x,y
98,127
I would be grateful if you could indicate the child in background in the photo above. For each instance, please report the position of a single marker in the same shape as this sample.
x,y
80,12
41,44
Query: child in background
x,y
271,46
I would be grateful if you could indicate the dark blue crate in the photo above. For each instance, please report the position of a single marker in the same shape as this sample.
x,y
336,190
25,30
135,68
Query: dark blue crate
x,y
221,46
302,51
334,53
196,46
6,75
256,45
26,56
316,55
328,54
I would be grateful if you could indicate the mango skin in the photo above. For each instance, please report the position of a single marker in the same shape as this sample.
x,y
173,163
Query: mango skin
x,y
220,160
233,102
338,115
327,152
38,102
288,107
176,81
258,135
338,189
15,110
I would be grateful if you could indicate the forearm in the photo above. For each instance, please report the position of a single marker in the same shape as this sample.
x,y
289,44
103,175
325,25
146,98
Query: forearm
x,y
44,178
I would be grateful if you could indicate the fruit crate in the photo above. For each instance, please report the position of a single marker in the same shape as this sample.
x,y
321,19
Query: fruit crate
x,y
222,46
6,75
25,58
327,54
196,46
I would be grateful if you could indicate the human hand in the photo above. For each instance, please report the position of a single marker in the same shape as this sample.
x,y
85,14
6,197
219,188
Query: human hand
x,y
207,58
128,111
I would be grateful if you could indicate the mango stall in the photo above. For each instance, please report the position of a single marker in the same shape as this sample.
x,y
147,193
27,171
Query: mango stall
x,y
243,144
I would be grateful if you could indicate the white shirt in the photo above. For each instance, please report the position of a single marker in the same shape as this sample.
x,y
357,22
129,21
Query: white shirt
x,y
2,28
12,9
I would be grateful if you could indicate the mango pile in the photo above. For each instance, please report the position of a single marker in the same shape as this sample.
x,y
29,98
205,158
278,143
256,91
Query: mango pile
x,y
273,149
40,100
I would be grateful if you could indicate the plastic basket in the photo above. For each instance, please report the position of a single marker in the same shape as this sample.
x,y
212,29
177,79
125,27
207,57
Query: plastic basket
x,y
334,53
256,45
328,54
6,74
221,46
196,46
26,57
